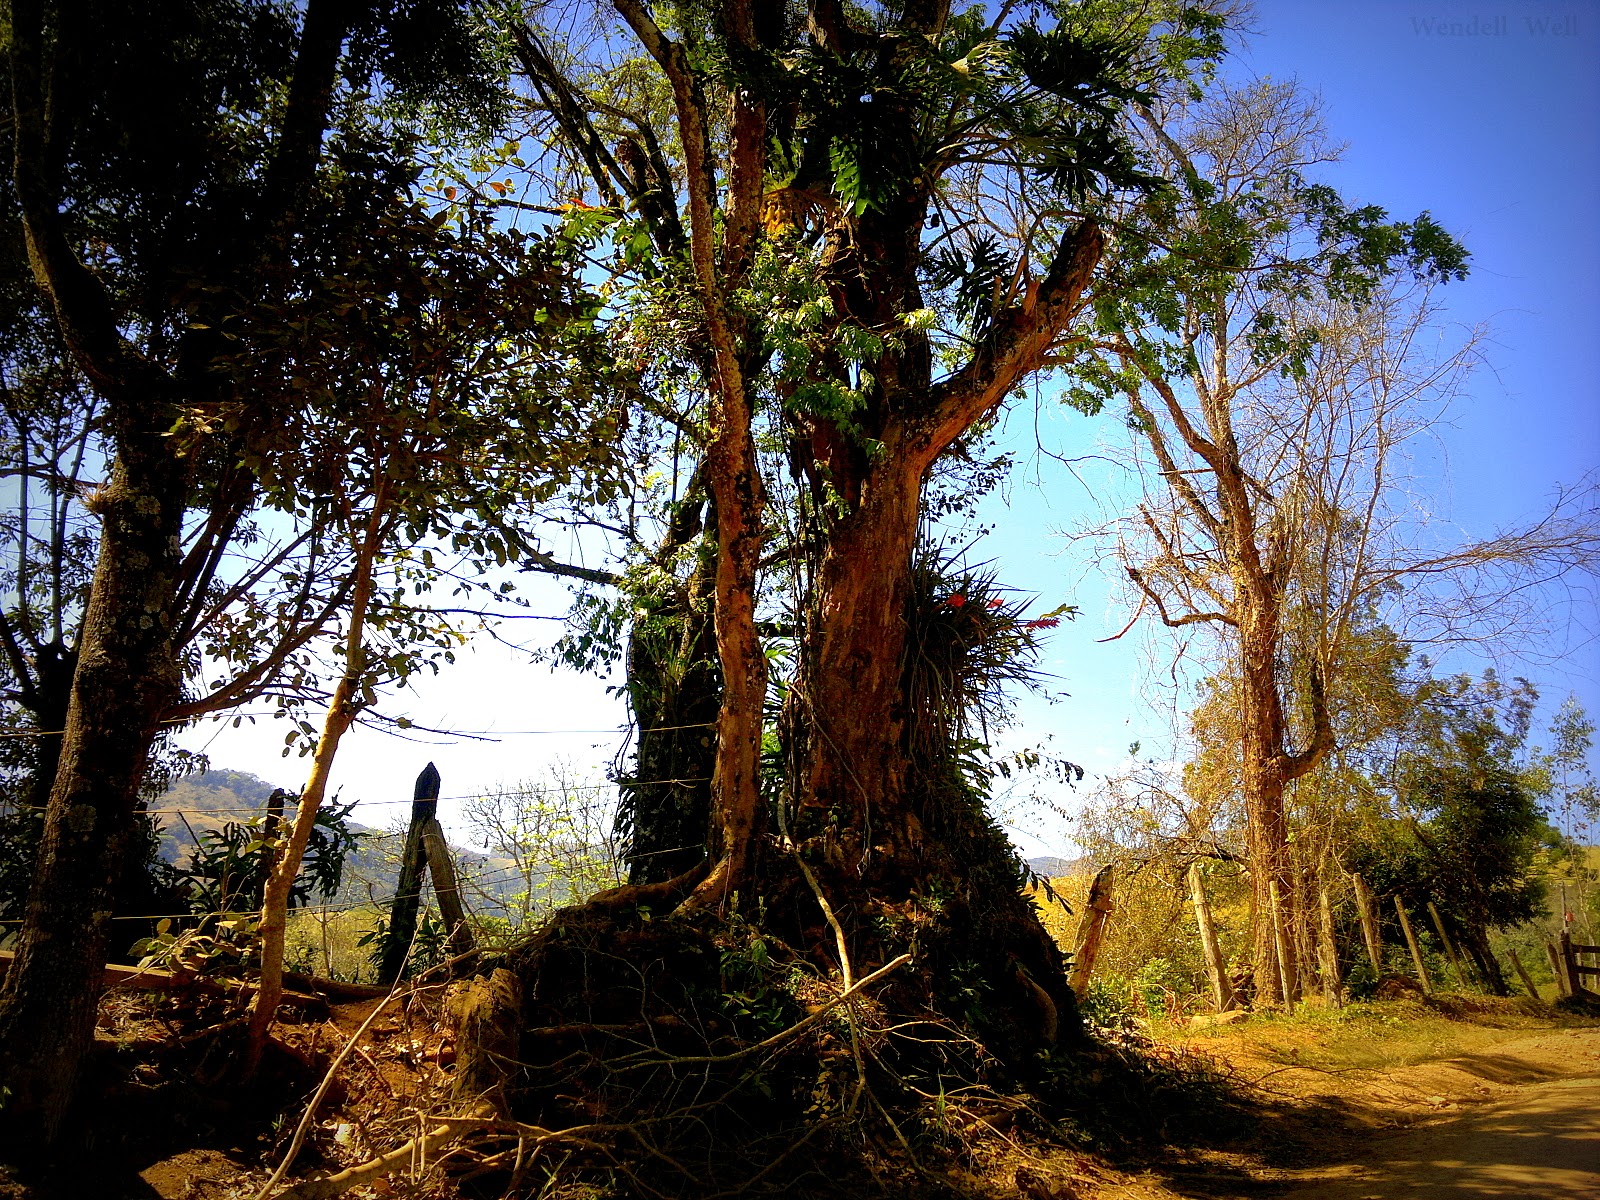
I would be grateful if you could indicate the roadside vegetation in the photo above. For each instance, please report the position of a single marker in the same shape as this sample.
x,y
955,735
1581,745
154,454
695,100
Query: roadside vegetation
x,y
324,324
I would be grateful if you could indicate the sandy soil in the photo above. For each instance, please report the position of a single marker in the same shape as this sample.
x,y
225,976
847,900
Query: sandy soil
x,y
1524,1122
1513,1113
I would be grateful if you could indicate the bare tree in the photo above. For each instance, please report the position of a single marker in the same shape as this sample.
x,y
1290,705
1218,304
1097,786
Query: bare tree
x,y
1280,364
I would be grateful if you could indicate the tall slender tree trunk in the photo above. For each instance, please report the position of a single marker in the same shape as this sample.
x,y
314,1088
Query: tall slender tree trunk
x,y
736,491
341,715
1266,821
127,676
732,473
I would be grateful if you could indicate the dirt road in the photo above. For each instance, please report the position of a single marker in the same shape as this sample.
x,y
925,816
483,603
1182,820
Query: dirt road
x,y
1523,1121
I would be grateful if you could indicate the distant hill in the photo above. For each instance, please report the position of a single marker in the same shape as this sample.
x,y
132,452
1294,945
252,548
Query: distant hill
x,y
205,802
208,800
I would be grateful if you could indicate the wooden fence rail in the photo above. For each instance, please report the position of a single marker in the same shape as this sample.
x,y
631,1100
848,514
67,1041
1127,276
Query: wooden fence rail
x,y
1572,969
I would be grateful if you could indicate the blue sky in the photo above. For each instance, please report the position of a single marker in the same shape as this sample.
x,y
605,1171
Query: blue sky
x,y
1493,127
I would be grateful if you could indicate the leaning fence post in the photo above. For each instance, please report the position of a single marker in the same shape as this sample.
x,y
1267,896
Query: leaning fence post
x,y
1216,967
1522,973
1091,929
408,894
1449,946
445,888
1416,951
1280,944
1367,911
269,853
1558,968
1329,952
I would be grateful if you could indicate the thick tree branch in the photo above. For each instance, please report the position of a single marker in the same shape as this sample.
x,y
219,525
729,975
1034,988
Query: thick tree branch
x,y
558,95
545,565
305,120
1322,735
18,661
1176,478
82,305
1015,344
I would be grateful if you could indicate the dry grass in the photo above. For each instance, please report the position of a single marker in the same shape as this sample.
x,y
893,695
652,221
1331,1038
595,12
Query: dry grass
x,y
1377,1036
327,943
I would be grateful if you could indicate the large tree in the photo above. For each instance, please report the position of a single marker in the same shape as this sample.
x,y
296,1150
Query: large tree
x,y
163,158
852,234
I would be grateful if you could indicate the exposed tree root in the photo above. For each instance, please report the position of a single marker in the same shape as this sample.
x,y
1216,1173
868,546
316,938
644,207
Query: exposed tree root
x,y
414,1153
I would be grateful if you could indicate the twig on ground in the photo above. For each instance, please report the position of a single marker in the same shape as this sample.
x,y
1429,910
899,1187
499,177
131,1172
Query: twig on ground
x,y
322,1090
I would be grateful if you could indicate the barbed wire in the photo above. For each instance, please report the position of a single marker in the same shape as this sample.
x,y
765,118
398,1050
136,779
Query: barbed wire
x,y
483,795
500,873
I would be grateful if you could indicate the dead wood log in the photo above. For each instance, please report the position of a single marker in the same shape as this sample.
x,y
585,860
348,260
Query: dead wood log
x,y
156,979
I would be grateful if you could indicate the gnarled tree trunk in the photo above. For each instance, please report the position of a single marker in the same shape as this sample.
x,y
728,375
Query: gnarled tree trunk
x,y
127,677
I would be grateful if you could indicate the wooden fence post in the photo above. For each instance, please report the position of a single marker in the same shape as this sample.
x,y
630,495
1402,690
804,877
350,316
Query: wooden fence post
x,y
1449,946
1559,968
1575,967
1286,980
1368,914
1086,948
1416,951
445,887
1329,953
408,894
269,831
1522,973
1216,967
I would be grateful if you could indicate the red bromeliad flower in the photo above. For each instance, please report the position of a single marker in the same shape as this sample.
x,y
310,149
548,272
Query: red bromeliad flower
x,y
996,602
1042,623
956,601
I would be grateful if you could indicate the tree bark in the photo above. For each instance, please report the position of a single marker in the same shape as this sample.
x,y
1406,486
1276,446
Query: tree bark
x,y
1091,929
127,676
732,474
855,743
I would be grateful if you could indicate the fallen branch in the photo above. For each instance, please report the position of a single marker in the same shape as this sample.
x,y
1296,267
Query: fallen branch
x,y
449,1129
445,1131
156,979
801,1026
435,1139
322,1090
